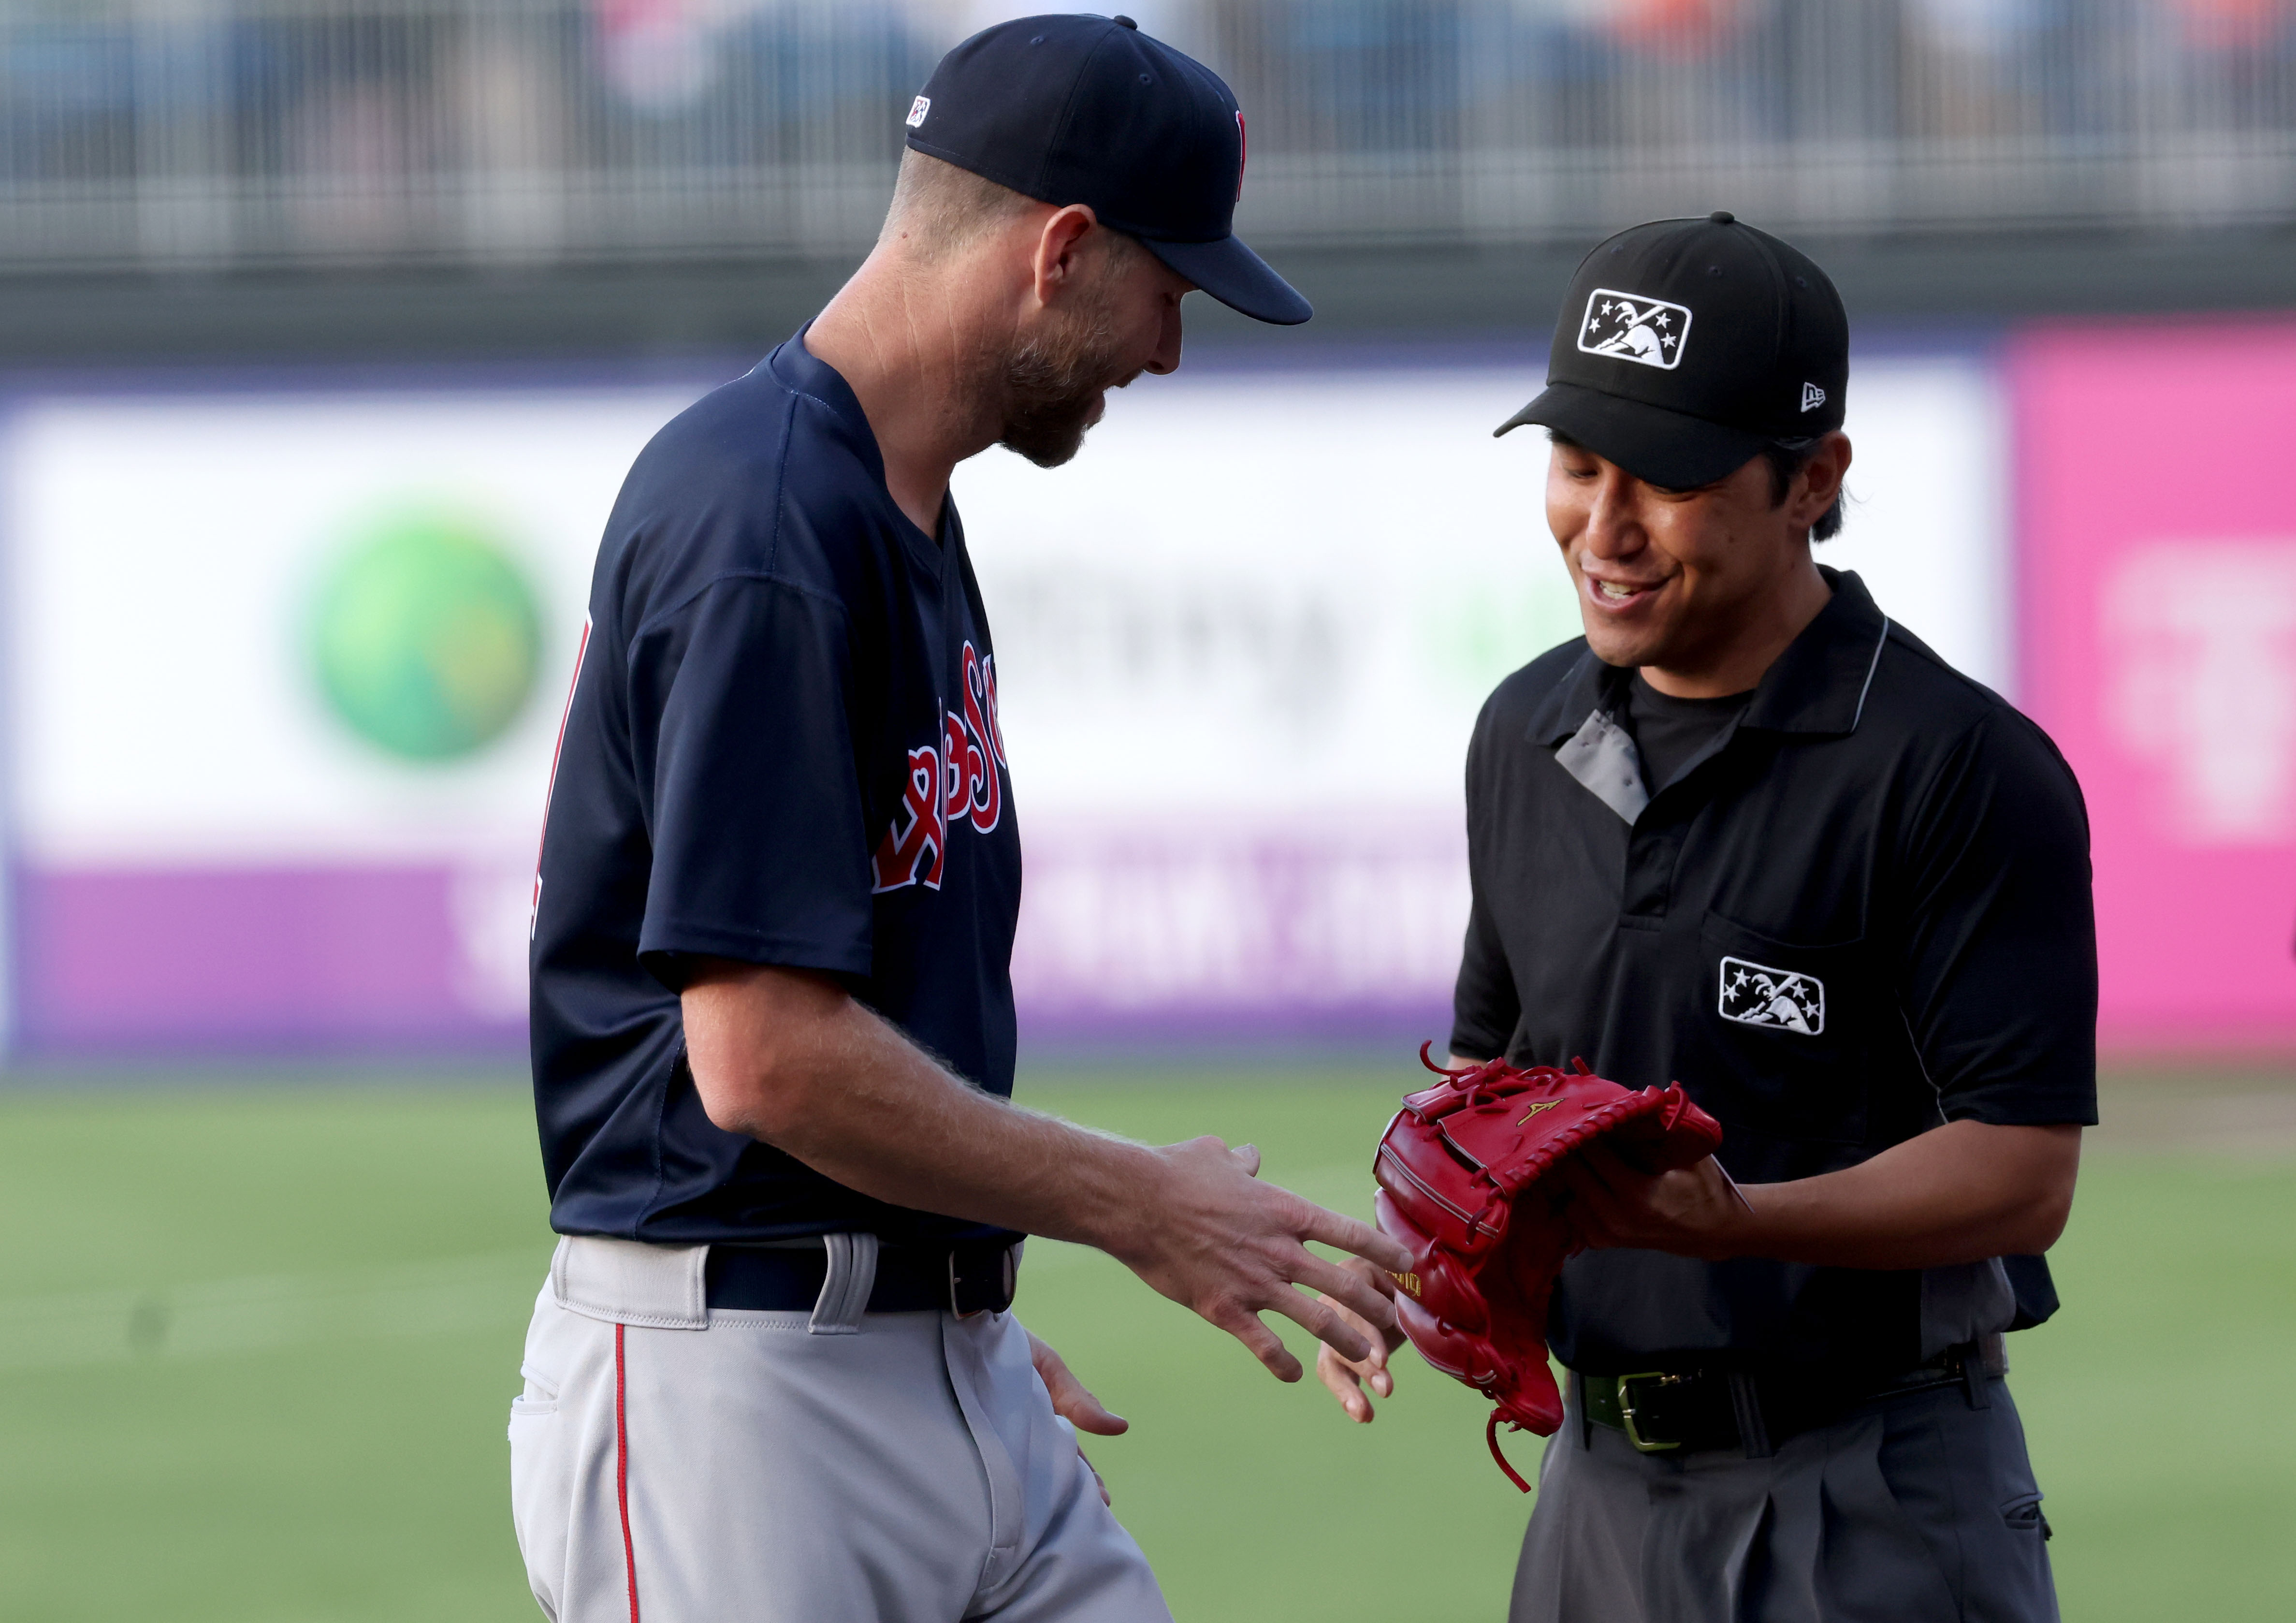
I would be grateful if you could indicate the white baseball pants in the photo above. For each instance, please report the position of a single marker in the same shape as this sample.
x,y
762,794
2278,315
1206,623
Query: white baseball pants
x,y
673,1465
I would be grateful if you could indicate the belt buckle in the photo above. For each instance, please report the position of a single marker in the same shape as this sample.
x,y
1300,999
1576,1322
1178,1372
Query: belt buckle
x,y
1643,1444
1008,1263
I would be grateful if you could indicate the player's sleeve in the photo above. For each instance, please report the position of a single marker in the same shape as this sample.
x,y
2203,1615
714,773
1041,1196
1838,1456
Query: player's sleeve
x,y
742,742
1998,977
1485,1005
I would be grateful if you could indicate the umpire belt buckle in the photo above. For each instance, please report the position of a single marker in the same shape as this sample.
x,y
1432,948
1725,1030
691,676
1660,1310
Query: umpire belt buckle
x,y
1626,1413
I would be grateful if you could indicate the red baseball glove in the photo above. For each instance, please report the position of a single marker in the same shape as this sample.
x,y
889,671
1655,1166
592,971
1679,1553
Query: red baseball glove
x,y
1466,1180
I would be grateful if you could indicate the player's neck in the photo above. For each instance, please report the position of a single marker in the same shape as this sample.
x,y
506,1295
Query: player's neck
x,y
918,350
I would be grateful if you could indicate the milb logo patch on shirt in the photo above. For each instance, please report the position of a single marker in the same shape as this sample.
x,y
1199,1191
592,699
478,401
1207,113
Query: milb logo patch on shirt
x,y
1648,332
1755,994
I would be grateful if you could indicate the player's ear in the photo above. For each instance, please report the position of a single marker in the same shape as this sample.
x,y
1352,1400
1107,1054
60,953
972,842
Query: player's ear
x,y
1058,261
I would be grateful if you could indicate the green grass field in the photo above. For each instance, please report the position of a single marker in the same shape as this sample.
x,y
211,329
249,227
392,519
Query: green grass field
x,y
257,1345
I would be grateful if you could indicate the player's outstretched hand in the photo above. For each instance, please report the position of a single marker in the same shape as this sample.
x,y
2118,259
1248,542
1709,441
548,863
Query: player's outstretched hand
x,y
1216,1239
1346,1378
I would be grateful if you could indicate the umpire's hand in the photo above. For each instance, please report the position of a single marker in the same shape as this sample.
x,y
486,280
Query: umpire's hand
x,y
1216,1239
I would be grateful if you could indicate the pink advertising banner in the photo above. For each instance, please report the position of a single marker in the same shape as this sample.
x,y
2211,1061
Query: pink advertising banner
x,y
2157,591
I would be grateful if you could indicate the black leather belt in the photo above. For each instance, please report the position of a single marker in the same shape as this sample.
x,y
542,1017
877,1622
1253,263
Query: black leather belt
x,y
966,1279
1686,1410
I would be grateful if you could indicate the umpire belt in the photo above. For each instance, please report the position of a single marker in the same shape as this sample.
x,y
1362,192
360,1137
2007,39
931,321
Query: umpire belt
x,y
976,1276
1688,1410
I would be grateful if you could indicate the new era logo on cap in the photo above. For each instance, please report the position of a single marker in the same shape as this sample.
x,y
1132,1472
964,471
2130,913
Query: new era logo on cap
x,y
1755,995
918,109
1812,396
1649,331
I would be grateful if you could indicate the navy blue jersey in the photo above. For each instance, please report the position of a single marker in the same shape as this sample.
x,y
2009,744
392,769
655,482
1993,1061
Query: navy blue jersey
x,y
781,747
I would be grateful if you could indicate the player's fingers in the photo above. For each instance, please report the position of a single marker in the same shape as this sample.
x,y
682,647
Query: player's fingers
x,y
1263,1343
1099,1481
1340,1379
1372,1362
1354,1236
1074,1403
1373,1307
1071,1399
1249,1155
1325,1323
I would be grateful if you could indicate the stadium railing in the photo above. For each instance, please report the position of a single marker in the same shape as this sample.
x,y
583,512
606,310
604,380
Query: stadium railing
x,y
192,135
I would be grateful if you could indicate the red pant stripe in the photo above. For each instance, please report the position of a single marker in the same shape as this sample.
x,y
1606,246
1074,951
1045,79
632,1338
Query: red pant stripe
x,y
622,1471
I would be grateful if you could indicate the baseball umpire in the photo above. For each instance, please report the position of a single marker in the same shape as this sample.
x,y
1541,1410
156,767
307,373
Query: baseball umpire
x,y
1749,835
772,1375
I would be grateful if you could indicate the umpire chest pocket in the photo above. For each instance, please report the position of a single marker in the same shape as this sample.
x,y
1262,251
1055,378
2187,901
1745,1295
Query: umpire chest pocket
x,y
1785,1026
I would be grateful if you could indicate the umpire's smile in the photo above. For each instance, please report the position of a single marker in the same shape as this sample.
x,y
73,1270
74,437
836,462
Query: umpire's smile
x,y
1664,575
1614,596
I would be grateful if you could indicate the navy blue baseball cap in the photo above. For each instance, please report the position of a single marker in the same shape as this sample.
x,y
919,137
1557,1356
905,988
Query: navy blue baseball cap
x,y
1079,109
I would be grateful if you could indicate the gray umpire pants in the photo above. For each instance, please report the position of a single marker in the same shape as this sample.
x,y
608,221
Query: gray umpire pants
x,y
1917,1509
670,1464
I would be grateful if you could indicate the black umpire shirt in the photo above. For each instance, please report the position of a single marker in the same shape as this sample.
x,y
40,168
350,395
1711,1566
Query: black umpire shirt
x,y
1860,910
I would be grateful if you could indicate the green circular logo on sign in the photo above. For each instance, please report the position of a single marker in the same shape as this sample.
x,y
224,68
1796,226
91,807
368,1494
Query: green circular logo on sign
x,y
425,636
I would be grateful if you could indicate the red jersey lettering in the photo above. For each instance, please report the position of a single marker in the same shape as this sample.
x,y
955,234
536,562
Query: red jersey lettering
x,y
956,780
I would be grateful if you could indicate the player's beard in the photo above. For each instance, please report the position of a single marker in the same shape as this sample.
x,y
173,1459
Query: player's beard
x,y
1052,385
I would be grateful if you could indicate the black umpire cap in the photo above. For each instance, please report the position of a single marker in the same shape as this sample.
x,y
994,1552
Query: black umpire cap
x,y
1089,109
1686,347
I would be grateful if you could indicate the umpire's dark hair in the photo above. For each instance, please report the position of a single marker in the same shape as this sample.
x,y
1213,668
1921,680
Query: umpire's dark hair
x,y
1785,461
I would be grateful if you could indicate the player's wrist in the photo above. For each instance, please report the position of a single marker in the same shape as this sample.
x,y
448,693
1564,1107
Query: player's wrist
x,y
1118,1206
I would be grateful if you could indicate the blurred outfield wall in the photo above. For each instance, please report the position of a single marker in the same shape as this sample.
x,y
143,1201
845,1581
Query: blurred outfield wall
x,y
286,660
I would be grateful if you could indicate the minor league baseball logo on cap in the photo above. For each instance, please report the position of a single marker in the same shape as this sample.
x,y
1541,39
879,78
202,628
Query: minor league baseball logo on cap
x,y
918,109
1755,995
1650,331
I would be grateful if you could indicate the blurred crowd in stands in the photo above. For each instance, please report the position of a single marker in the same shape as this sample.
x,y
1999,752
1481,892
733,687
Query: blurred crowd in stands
x,y
178,131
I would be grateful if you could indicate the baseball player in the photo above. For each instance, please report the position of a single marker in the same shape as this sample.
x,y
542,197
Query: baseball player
x,y
1750,834
772,1374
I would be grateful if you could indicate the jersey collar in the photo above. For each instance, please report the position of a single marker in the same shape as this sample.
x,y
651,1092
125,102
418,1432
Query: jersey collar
x,y
801,372
1819,684
1818,687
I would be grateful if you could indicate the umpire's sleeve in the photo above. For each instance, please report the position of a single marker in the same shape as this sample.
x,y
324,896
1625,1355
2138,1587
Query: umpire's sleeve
x,y
1999,974
1485,1006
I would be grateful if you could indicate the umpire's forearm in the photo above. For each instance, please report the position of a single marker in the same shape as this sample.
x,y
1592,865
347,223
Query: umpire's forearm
x,y
789,1058
1959,1192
